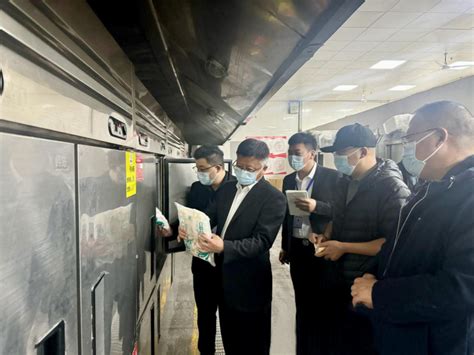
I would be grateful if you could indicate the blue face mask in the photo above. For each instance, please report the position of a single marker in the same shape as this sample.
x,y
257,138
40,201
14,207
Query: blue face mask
x,y
342,163
205,178
413,165
296,162
245,177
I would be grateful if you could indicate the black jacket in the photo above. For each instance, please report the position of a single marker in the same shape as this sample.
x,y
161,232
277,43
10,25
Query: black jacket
x,y
371,214
245,262
324,191
424,302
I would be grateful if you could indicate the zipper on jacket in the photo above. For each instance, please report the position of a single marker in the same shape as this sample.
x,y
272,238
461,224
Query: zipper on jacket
x,y
400,229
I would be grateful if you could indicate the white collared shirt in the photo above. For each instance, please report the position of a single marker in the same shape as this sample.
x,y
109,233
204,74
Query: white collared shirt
x,y
240,194
302,184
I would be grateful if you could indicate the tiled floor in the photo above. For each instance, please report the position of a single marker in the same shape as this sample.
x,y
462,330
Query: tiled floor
x,y
179,333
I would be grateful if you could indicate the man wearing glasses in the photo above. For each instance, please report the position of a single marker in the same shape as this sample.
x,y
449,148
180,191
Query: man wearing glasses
x,y
366,213
423,300
211,175
248,216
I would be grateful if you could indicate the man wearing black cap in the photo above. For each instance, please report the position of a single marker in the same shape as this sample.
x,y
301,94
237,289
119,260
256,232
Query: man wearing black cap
x,y
365,215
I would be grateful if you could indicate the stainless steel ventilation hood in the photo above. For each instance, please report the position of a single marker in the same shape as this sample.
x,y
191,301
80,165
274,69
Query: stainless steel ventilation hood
x,y
212,63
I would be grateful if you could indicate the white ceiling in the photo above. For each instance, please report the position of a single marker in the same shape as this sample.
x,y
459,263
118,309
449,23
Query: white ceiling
x,y
418,31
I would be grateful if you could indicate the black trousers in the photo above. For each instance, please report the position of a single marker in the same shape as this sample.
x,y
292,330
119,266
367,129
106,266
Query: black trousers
x,y
356,334
207,290
245,333
319,302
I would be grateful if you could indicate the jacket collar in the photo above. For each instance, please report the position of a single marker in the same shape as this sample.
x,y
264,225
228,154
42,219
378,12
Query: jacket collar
x,y
379,171
311,174
458,174
249,200
460,168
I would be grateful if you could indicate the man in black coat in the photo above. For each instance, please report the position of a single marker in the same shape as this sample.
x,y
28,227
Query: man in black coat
x,y
365,215
248,216
306,270
211,175
423,300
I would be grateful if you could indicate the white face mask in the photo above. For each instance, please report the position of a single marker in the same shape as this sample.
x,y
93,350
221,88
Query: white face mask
x,y
296,162
342,163
205,178
413,165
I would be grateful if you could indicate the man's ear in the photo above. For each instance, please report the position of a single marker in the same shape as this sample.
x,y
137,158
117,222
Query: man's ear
x,y
443,136
364,152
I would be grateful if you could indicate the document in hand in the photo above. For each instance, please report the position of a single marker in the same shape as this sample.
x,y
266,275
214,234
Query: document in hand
x,y
291,197
194,222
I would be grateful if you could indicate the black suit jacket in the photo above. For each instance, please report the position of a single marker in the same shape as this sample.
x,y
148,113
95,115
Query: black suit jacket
x,y
245,261
324,192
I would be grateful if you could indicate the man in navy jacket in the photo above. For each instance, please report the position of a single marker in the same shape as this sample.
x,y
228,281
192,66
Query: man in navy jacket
x,y
423,300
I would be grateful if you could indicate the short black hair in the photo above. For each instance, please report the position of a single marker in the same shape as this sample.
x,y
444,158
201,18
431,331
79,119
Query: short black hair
x,y
304,138
253,148
212,154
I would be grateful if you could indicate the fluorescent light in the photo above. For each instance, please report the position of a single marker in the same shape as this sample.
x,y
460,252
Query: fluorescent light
x,y
307,110
460,65
387,64
345,87
402,87
345,110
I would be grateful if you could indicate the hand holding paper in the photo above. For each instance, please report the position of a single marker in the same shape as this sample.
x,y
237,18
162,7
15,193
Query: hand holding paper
x,y
212,243
292,197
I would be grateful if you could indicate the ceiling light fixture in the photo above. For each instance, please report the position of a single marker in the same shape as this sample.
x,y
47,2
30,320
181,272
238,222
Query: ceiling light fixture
x,y
388,64
345,87
402,87
345,110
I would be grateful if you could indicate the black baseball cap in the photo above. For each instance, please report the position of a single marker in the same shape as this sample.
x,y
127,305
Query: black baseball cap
x,y
354,135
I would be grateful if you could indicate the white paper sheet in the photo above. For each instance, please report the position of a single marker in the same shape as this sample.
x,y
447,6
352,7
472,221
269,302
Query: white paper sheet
x,y
292,196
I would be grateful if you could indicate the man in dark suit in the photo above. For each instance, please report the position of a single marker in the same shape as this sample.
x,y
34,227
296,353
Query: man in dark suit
x,y
308,273
211,175
248,216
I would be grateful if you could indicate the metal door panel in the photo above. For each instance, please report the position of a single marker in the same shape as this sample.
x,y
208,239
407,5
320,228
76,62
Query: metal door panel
x,y
178,180
37,243
107,228
146,245
148,328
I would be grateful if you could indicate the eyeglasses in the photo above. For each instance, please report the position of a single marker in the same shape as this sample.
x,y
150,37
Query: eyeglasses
x,y
235,166
413,136
202,170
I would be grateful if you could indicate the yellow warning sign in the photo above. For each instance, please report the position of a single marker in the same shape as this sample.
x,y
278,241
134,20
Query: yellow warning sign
x,y
131,173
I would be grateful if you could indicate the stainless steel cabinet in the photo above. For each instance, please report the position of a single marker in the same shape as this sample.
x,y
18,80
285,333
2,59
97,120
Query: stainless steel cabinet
x,y
38,279
107,230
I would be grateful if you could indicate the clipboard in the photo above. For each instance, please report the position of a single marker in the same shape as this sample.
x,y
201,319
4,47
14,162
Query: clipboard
x,y
291,197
